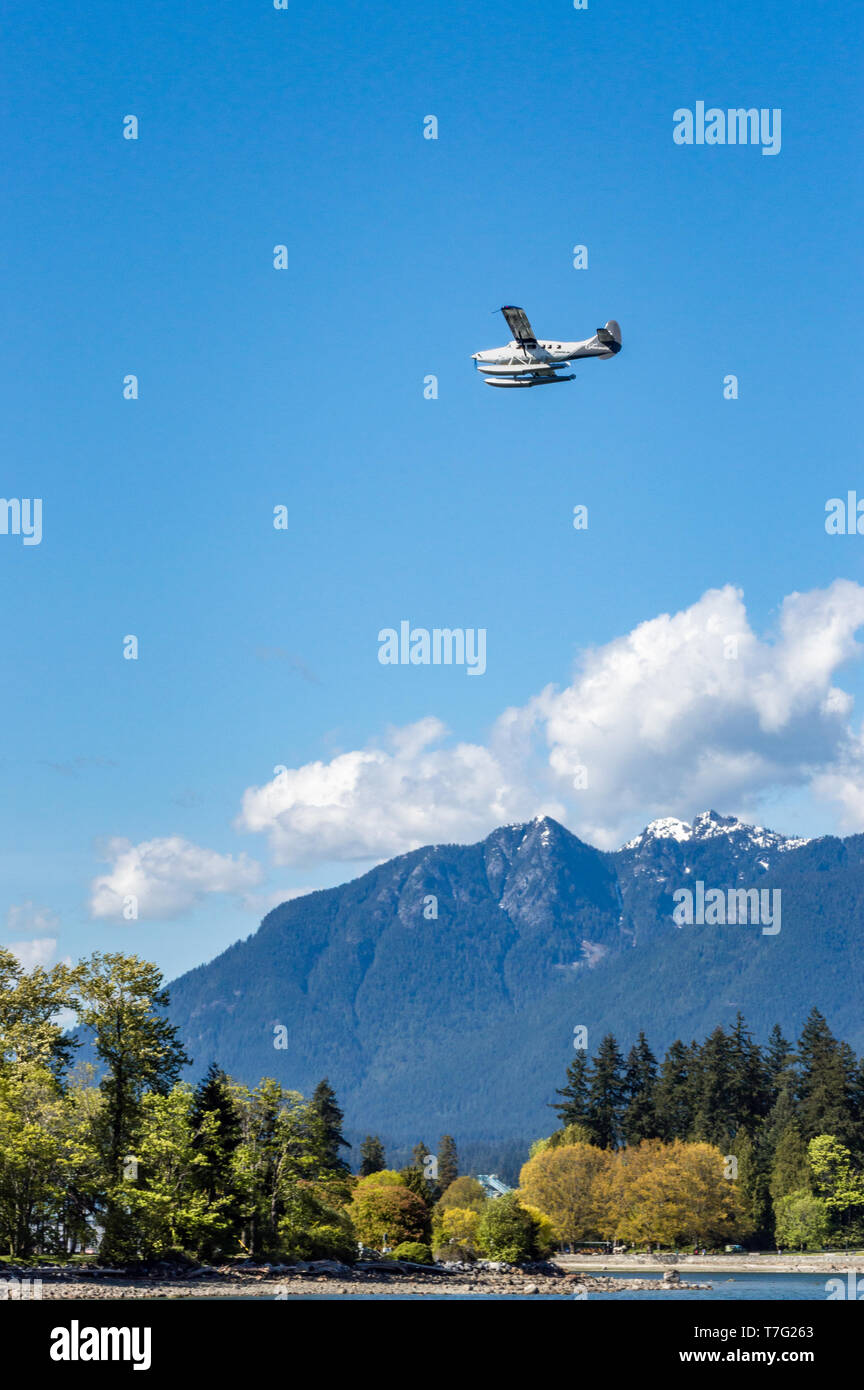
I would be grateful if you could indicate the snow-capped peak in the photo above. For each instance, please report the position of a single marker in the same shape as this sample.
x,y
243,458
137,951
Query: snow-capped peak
x,y
709,825
667,828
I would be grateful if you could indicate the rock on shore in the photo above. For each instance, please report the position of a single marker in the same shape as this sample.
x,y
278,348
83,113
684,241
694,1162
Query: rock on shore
x,y
327,1279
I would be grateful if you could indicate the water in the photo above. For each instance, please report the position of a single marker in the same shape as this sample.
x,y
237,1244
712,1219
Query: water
x,y
726,1288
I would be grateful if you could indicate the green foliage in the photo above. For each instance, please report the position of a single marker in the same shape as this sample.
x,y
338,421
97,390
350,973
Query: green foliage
x,y
415,1251
121,999
455,1229
312,1230
464,1192
415,1181
372,1156
790,1171
387,1216
29,1004
328,1119
802,1221
570,1134
448,1162
506,1231
382,1177
159,1207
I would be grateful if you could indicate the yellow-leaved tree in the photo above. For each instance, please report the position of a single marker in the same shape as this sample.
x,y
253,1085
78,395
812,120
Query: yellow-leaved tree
x,y
569,1185
667,1194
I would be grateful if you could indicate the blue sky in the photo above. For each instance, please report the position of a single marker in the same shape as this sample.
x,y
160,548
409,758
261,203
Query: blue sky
x,y
304,387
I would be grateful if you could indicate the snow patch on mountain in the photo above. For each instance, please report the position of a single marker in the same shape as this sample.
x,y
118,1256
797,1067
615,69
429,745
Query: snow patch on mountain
x,y
709,825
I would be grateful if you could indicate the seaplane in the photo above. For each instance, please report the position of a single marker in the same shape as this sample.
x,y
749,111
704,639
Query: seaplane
x,y
529,361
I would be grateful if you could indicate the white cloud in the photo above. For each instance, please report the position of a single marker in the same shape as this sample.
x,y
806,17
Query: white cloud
x,y
32,953
31,918
381,801
689,710
167,877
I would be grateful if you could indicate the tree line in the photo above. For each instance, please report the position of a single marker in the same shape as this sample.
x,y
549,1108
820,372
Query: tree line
x,y
126,1156
786,1118
722,1139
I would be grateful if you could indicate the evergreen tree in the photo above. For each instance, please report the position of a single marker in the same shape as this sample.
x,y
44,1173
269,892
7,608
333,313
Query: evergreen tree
x,y
416,1181
372,1156
606,1093
215,1135
419,1155
640,1081
674,1093
827,1083
448,1162
716,1094
779,1060
328,1117
753,1168
790,1170
750,1090
574,1107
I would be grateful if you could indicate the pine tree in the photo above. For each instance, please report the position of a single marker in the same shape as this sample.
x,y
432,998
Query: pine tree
x,y
448,1162
640,1081
215,1125
573,1109
606,1093
419,1155
674,1094
372,1156
715,1120
827,1083
329,1117
790,1171
779,1060
750,1090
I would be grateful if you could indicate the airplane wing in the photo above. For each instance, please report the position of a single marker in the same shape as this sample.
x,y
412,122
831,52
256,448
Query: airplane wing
x,y
517,322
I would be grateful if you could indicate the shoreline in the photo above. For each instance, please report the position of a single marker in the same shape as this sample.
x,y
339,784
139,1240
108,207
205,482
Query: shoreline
x,y
274,1284
568,1276
753,1263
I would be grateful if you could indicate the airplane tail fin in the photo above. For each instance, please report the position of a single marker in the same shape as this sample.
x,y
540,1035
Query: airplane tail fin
x,y
610,336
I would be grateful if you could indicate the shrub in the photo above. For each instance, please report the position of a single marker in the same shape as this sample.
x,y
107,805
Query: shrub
x,y
385,1177
388,1215
506,1231
314,1231
545,1233
464,1192
413,1250
455,1226
802,1221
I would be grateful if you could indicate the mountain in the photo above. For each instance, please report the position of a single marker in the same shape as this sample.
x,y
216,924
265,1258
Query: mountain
x,y
463,1022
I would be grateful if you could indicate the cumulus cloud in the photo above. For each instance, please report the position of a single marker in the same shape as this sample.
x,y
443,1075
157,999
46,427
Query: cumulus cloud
x,y
166,877
689,710
40,951
380,801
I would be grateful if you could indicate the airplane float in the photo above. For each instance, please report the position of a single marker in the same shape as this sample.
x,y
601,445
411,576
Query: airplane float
x,y
528,362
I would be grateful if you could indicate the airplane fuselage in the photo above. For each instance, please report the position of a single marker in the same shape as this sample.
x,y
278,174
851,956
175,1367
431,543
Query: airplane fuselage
x,y
531,361
515,353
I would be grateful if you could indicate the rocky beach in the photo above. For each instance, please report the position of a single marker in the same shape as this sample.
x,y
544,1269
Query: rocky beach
x,y
324,1279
